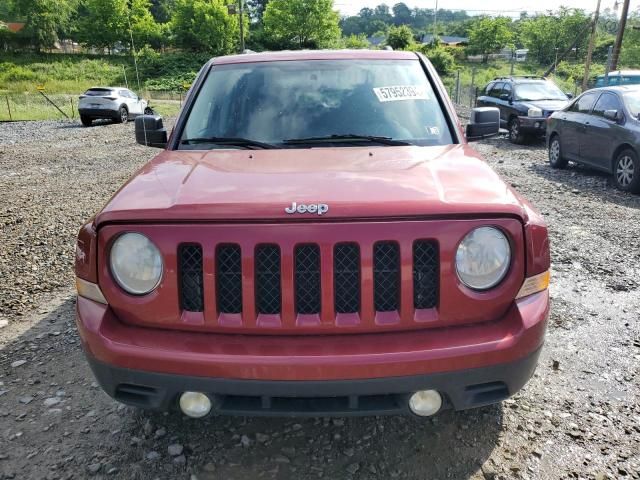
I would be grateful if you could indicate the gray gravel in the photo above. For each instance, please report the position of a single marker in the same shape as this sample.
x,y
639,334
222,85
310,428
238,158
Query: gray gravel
x,y
578,418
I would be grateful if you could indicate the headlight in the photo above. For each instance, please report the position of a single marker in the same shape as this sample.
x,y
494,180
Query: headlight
x,y
136,263
483,258
534,112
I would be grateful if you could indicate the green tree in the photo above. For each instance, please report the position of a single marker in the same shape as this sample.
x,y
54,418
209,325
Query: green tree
x,y
45,19
356,42
400,37
489,35
144,29
205,25
546,35
302,23
443,61
630,53
103,23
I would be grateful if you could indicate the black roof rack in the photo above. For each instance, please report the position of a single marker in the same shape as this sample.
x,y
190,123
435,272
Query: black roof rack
x,y
515,77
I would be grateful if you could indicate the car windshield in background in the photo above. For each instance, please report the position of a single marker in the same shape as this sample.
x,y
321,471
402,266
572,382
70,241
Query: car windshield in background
x,y
98,92
633,103
536,91
299,104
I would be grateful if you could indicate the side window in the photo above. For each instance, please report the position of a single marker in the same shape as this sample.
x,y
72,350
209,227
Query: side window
x,y
506,90
496,90
584,103
124,93
132,95
488,88
607,101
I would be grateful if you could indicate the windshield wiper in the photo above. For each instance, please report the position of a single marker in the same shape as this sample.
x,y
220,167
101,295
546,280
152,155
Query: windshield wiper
x,y
235,142
348,137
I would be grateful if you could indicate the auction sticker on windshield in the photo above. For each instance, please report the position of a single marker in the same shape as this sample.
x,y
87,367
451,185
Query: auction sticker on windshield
x,y
401,92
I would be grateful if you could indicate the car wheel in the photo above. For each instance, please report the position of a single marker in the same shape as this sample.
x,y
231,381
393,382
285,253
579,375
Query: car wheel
x,y
123,115
515,133
626,171
556,160
86,121
149,111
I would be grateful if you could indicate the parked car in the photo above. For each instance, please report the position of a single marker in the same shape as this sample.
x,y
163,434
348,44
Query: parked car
x,y
525,103
620,77
111,103
316,238
601,129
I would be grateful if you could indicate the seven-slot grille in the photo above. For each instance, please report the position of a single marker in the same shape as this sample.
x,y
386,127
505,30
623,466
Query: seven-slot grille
x,y
307,277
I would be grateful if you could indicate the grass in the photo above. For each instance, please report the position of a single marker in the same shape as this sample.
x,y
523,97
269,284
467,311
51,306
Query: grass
x,y
33,106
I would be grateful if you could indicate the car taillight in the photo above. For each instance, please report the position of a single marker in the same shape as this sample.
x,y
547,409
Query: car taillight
x,y
109,98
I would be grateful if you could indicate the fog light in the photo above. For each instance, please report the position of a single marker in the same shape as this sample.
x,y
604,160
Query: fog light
x,y
425,403
195,404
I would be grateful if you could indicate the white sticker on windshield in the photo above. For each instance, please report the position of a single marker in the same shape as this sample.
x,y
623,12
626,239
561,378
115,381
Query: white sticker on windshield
x,y
401,92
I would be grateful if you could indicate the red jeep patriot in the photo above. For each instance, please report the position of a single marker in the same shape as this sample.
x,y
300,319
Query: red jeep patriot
x,y
316,238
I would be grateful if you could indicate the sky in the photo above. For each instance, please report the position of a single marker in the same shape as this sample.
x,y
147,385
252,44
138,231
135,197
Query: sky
x,y
511,8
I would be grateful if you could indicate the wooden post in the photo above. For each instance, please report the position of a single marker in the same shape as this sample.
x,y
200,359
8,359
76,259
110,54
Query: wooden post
x,y
618,45
8,107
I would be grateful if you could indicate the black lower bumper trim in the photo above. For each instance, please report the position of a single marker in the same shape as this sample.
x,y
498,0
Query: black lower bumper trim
x,y
378,396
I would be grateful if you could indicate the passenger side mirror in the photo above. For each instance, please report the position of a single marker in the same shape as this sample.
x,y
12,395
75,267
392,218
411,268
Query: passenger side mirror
x,y
505,96
484,122
612,115
150,131
569,95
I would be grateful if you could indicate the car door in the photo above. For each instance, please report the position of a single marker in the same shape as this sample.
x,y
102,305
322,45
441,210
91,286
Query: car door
x,y
572,128
598,143
135,102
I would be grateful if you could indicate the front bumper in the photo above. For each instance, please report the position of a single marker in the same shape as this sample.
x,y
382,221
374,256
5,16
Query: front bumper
x,y
533,125
317,374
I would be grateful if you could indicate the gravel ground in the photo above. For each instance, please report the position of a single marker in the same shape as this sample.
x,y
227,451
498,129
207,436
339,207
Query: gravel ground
x,y
578,418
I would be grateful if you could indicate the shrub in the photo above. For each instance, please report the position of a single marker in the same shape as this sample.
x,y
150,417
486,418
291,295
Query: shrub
x,y
442,60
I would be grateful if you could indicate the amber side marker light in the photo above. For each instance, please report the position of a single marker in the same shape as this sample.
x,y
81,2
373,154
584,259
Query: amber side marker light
x,y
534,284
90,290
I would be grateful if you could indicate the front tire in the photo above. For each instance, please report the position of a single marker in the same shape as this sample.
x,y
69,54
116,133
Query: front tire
x,y
86,121
515,132
123,115
626,171
556,160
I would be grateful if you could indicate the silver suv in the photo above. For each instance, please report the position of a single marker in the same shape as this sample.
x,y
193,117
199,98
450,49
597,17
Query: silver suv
x,y
112,103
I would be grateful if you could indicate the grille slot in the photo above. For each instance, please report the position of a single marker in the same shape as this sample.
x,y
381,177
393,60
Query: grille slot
x,y
307,279
425,274
229,279
268,277
346,271
190,268
386,276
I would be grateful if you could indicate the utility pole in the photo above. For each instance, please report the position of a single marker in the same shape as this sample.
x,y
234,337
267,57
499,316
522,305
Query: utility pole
x,y
592,41
618,45
241,16
435,23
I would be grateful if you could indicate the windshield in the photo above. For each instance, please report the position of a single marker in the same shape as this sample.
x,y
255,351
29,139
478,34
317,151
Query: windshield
x,y
539,91
633,104
273,102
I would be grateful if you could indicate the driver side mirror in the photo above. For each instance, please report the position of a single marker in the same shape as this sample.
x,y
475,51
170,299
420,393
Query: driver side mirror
x,y
505,96
150,131
484,122
569,95
612,115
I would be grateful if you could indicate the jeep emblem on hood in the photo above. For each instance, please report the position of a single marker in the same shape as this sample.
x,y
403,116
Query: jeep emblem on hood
x,y
320,208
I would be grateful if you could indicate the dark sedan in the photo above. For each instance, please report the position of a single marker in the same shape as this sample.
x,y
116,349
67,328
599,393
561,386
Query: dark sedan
x,y
601,129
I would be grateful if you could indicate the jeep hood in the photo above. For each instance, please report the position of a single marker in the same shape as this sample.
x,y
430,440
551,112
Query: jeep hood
x,y
257,185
